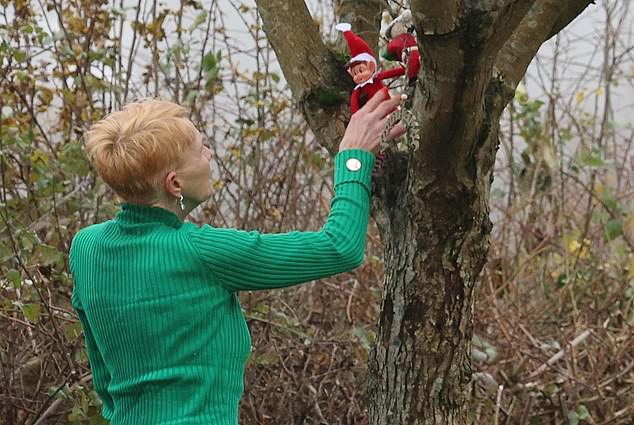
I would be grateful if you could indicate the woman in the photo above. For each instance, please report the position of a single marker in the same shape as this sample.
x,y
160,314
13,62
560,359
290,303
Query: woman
x,y
156,295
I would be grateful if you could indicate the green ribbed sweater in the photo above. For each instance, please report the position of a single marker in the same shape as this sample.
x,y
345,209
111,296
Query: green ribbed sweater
x,y
165,334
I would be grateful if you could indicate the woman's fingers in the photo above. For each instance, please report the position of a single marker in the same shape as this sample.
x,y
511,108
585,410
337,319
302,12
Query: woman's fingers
x,y
375,100
397,131
366,127
387,106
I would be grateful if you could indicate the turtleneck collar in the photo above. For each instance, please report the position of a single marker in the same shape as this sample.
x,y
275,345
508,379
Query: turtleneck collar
x,y
140,214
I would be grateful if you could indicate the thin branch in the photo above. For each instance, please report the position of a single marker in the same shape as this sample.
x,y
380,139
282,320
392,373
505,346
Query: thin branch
x,y
558,355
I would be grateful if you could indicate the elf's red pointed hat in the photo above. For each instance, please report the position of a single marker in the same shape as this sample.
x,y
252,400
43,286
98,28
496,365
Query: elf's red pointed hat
x,y
359,49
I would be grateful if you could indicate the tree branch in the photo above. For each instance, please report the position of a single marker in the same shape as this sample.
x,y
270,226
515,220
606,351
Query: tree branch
x,y
472,31
435,17
505,21
573,10
365,18
295,38
545,18
313,73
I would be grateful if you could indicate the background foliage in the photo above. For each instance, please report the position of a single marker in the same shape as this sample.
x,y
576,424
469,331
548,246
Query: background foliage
x,y
554,308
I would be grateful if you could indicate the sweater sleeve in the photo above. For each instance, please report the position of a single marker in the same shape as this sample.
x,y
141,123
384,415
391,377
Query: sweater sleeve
x,y
242,260
100,375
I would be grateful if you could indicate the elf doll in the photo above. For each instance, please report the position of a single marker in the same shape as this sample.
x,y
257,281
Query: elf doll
x,y
402,47
363,68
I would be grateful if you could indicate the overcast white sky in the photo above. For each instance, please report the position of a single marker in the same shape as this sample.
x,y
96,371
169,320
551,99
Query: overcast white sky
x,y
580,49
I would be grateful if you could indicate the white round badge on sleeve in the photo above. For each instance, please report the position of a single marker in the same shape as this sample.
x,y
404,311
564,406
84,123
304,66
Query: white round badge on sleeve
x,y
353,164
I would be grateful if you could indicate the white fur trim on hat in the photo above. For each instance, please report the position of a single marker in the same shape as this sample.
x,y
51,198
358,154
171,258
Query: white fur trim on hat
x,y
363,57
343,27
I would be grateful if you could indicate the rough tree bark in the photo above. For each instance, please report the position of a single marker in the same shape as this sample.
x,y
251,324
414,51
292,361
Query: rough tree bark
x,y
433,203
364,16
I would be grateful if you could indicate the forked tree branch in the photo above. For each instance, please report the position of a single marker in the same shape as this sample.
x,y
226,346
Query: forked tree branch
x,y
296,40
476,30
482,26
546,18
313,73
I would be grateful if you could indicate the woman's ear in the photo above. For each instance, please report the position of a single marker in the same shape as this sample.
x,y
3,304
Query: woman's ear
x,y
172,184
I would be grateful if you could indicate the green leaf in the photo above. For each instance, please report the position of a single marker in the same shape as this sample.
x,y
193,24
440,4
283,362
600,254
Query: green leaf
x,y
21,75
28,240
14,277
613,229
582,412
117,11
200,18
31,312
49,255
72,331
483,348
19,55
610,200
366,337
565,135
478,356
5,253
59,35
209,62
98,420
191,95
552,389
591,158
76,413
266,359
212,76
73,161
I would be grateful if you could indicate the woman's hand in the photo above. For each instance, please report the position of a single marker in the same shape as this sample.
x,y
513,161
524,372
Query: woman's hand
x,y
366,125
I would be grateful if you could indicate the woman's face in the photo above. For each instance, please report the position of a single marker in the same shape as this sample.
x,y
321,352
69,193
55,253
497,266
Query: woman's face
x,y
195,172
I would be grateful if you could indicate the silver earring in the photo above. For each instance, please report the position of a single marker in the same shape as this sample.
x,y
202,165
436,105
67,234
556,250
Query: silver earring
x,y
180,202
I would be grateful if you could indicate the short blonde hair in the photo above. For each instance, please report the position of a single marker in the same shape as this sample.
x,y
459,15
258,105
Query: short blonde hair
x,y
131,147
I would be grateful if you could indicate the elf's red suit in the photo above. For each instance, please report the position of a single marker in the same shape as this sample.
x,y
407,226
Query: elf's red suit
x,y
403,48
364,91
362,68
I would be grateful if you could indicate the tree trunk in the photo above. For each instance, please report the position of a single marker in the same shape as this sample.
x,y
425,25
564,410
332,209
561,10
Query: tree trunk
x,y
436,240
436,214
432,204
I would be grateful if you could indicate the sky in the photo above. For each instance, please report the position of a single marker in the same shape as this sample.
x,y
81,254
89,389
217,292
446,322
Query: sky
x,y
578,49
581,49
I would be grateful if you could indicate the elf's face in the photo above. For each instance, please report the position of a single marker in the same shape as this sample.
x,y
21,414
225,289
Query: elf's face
x,y
361,71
